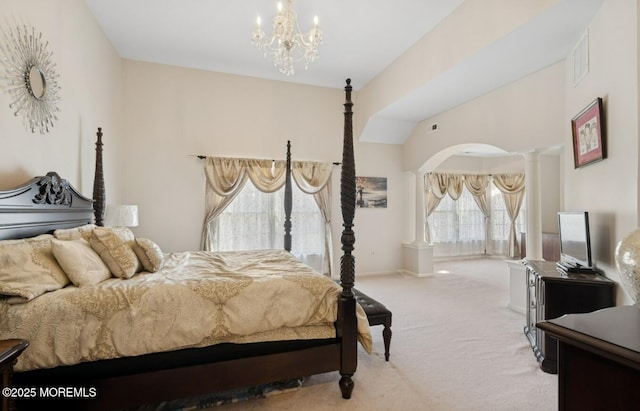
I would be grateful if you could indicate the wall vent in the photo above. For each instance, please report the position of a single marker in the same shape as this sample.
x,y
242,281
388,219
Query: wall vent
x,y
581,58
432,128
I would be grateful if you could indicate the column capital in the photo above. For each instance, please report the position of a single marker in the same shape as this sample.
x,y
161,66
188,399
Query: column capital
x,y
533,154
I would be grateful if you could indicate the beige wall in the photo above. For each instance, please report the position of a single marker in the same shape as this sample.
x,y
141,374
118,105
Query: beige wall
x,y
521,116
608,189
89,72
174,113
456,38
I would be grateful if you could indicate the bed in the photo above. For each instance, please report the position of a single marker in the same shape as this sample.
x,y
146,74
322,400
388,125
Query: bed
x,y
106,371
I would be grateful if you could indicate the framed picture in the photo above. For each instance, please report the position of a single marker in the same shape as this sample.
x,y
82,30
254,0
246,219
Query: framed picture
x,y
589,143
371,192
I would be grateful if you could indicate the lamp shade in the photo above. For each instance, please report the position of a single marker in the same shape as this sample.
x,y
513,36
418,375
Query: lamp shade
x,y
121,215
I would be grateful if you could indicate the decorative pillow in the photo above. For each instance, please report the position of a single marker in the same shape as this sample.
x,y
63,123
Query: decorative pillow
x,y
128,237
82,265
149,254
115,252
125,234
83,231
28,268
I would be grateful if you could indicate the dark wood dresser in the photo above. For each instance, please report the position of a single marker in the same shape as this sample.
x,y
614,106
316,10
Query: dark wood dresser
x,y
10,350
598,359
551,294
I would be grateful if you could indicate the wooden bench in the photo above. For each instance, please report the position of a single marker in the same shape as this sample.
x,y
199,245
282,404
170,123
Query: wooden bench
x,y
377,314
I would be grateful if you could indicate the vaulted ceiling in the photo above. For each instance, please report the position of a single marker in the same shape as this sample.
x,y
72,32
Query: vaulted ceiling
x,y
362,38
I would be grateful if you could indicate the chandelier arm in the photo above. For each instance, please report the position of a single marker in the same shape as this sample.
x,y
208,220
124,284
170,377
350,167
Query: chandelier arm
x,y
287,44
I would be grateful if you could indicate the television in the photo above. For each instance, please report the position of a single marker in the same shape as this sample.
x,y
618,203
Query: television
x,y
575,242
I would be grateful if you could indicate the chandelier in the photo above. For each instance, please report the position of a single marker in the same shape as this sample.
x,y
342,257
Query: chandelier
x,y
287,44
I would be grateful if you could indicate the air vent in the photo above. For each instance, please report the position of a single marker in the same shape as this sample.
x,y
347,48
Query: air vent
x,y
581,59
432,128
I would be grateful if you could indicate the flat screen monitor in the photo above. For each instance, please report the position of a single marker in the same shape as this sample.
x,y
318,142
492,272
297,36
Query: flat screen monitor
x,y
575,243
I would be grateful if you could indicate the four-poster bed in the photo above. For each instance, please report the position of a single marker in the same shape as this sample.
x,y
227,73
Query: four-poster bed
x,y
49,203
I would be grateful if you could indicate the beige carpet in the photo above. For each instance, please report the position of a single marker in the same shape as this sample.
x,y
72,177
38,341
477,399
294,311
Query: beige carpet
x,y
455,346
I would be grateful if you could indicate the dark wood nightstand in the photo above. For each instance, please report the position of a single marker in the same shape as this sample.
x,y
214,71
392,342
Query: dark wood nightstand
x,y
598,358
9,352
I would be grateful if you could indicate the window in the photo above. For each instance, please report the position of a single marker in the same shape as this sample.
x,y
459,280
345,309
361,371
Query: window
x,y
255,220
458,227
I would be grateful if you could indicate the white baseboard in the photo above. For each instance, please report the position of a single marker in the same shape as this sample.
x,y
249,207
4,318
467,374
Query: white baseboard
x,y
396,272
519,310
376,273
419,275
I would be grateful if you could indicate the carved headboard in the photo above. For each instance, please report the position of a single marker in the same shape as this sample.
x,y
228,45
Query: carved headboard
x,y
42,205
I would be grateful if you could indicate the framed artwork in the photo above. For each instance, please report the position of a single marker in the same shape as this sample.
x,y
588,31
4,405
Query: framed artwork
x,y
589,142
371,192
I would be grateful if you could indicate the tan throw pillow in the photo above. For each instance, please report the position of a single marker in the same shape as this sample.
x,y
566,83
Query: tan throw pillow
x,y
128,237
115,252
125,234
149,254
80,262
83,231
28,268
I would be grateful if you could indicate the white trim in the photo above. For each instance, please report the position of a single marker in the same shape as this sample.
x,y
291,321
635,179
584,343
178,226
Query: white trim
x,y
412,274
376,274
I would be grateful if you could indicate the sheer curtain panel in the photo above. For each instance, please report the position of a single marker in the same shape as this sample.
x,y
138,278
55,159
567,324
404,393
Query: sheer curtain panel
x,y
315,179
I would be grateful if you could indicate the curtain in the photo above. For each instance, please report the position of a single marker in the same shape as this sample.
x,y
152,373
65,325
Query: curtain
x,y
477,185
435,188
315,178
438,183
225,177
467,222
512,188
454,186
267,175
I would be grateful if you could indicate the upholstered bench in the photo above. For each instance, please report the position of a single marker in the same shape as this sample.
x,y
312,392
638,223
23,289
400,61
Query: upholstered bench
x,y
377,314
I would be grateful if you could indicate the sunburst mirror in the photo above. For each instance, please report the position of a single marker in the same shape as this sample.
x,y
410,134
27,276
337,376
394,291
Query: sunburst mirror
x,y
30,77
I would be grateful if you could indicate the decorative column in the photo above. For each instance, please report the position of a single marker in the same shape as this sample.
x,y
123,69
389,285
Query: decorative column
x,y
418,255
534,205
420,209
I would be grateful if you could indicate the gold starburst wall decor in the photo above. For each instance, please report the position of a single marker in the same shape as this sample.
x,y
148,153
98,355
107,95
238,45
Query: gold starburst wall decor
x,y
29,77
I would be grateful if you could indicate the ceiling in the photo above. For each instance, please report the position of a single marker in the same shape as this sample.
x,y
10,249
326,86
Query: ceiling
x,y
361,38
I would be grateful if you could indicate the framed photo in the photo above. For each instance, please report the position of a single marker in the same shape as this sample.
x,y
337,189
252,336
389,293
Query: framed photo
x,y
371,192
589,143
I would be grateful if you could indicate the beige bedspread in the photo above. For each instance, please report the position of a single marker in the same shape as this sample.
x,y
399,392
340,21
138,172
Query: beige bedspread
x,y
196,299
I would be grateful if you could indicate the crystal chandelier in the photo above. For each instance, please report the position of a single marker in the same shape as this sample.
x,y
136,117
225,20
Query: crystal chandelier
x,y
287,44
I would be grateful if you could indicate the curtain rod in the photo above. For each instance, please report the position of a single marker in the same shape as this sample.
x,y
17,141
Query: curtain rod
x,y
202,157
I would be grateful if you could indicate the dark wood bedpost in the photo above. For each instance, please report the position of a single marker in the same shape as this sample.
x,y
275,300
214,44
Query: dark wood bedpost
x,y
347,324
99,200
287,201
